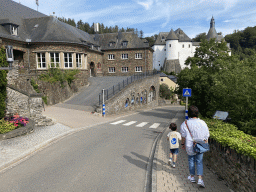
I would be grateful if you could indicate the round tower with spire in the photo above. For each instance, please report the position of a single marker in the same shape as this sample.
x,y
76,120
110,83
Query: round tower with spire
x,y
172,46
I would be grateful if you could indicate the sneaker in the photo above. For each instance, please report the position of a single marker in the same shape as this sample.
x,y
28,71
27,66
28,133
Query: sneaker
x,y
173,165
201,183
192,179
170,162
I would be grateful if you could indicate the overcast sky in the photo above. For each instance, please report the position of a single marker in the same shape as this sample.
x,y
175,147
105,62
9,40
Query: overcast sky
x,y
154,16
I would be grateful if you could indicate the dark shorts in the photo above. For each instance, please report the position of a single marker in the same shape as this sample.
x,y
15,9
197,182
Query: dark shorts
x,y
174,151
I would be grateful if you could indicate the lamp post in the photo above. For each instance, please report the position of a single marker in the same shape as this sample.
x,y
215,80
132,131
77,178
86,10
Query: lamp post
x,y
9,57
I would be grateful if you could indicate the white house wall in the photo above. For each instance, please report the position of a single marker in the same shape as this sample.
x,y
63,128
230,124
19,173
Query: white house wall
x,y
158,56
185,52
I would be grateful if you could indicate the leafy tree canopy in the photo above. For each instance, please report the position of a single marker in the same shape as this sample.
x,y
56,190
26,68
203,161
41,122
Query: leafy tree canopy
x,y
221,82
199,37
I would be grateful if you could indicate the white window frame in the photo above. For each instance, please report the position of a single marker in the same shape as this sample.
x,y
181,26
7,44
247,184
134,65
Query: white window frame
x,y
78,60
111,69
55,63
125,69
14,30
124,56
138,69
40,63
124,43
68,62
111,56
138,55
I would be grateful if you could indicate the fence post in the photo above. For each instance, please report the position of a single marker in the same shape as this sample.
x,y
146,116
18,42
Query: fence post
x,y
113,89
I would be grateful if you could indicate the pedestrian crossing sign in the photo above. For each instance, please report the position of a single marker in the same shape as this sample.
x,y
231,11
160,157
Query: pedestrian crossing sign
x,y
187,92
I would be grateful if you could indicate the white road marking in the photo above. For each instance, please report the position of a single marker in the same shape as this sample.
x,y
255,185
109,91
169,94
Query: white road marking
x,y
118,122
141,124
130,123
154,126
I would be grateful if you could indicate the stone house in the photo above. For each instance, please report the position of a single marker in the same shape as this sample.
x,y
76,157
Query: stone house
x,y
124,53
41,42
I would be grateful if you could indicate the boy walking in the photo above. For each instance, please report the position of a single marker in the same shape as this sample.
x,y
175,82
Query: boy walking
x,y
173,137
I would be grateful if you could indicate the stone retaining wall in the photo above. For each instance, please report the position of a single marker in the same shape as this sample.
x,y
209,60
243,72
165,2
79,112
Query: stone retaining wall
x,y
239,171
135,95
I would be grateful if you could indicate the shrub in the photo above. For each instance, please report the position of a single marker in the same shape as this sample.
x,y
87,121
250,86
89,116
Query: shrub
x,y
6,126
228,135
165,92
34,85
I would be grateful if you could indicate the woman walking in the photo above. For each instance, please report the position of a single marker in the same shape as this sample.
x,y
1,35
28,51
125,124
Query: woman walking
x,y
200,133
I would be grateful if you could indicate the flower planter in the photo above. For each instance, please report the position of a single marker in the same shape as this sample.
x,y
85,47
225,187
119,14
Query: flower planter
x,y
29,128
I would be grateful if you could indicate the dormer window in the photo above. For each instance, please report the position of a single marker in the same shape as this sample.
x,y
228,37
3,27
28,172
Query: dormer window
x,y
162,37
124,43
112,43
14,30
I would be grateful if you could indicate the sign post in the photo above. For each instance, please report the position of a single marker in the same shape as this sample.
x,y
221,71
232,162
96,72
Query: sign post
x,y
187,92
103,104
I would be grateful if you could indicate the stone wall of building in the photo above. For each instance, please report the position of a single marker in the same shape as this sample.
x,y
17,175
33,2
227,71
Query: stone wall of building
x,y
237,170
143,92
131,62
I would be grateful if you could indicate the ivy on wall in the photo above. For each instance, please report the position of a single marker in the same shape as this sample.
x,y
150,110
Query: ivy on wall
x,y
3,82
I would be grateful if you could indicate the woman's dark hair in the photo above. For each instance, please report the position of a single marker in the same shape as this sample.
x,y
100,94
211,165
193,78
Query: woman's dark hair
x,y
173,126
193,111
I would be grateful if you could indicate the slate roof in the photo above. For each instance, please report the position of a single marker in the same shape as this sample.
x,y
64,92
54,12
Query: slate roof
x,y
37,26
172,36
178,34
159,40
171,77
109,41
182,36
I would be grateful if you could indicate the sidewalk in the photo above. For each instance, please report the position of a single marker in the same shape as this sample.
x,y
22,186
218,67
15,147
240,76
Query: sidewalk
x,y
12,151
165,178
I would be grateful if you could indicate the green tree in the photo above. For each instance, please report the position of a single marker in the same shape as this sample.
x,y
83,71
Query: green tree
x,y
3,82
165,92
199,37
221,82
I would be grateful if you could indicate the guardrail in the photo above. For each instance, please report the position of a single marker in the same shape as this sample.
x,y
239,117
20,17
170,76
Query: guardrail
x,y
110,92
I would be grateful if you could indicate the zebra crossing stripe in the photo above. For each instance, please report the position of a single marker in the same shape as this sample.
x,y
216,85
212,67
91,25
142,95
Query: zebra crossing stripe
x,y
154,126
141,124
130,123
118,122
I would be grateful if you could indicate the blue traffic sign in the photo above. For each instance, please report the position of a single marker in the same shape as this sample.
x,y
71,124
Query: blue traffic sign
x,y
187,92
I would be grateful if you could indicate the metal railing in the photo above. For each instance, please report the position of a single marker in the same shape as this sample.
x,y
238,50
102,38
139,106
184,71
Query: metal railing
x,y
110,92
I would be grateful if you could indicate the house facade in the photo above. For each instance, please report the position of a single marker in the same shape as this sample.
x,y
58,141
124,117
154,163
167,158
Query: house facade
x,y
41,42
124,53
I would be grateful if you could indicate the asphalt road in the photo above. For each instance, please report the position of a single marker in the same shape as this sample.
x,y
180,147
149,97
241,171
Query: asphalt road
x,y
104,158
88,97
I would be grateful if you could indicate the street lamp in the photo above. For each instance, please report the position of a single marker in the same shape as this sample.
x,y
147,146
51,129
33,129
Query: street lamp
x,y
9,57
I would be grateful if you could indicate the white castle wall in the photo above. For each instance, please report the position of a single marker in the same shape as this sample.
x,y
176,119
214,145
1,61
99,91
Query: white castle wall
x,y
173,51
158,56
185,51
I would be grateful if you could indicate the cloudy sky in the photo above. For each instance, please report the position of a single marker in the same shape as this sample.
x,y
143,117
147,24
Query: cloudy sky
x,y
154,16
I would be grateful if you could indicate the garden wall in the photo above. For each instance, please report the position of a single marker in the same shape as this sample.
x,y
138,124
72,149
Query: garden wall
x,y
23,99
239,171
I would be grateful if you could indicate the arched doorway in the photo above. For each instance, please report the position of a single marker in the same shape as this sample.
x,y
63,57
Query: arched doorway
x,y
92,72
152,94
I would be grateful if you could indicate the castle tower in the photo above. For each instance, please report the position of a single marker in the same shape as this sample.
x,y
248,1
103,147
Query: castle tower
x,y
172,46
212,33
